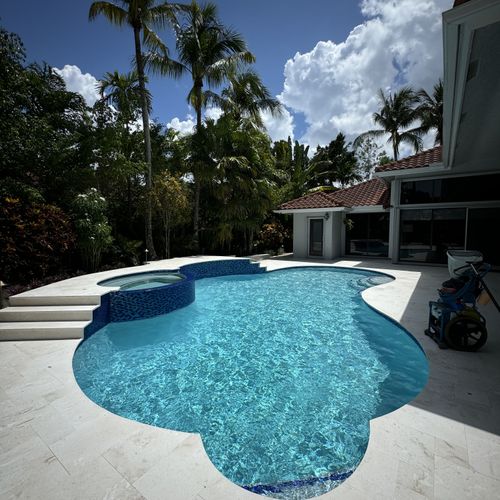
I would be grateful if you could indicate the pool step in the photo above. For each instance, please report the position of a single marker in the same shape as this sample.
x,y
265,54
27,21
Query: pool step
x,y
42,330
25,299
46,318
47,313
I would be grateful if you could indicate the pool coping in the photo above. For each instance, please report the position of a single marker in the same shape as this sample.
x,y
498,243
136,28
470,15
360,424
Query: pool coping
x,y
182,457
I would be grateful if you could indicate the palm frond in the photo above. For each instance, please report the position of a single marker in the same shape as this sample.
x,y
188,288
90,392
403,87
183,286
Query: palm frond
x,y
114,13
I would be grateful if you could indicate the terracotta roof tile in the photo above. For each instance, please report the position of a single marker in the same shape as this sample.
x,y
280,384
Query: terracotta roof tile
x,y
423,159
319,199
374,192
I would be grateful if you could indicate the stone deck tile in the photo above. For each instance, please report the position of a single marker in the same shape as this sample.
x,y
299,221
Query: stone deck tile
x,y
55,443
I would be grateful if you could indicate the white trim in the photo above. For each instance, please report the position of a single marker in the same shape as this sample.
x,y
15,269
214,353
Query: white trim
x,y
367,209
459,25
309,210
457,204
434,167
450,174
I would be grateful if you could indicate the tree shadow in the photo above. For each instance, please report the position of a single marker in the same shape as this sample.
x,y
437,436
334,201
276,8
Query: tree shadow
x,y
463,386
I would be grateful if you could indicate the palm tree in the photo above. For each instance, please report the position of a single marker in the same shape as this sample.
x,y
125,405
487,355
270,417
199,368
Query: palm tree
x,y
246,97
209,52
431,110
123,92
143,16
398,111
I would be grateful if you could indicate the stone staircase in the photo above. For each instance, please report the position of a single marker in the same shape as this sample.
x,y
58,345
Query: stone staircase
x,y
37,317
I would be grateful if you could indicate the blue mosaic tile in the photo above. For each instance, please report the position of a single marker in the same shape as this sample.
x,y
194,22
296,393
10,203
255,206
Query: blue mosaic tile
x,y
315,482
221,268
128,305
100,317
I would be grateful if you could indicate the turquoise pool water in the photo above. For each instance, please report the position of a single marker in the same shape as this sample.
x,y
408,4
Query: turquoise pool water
x,y
280,373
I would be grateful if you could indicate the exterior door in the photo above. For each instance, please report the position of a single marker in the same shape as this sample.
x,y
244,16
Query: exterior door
x,y
316,237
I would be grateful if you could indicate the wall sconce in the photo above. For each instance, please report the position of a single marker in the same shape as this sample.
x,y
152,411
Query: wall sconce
x,y
326,216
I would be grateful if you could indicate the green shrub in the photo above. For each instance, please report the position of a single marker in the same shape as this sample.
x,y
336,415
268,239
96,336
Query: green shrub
x,y
92,227
36,239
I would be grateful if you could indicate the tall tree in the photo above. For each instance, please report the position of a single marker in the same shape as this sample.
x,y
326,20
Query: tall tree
x,y
246,97
369,154
431,111
144,17
123,163
335,163
397,113
209,52
123,92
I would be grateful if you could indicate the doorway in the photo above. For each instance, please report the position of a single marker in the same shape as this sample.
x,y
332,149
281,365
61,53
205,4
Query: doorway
x,y
316,237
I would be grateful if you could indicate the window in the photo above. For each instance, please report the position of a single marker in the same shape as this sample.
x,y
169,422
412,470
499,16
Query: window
x,y
369,235
483,234
451,190
426,235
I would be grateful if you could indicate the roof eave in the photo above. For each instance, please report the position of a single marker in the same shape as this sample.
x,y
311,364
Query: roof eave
x,y
308,210
411,172
459,25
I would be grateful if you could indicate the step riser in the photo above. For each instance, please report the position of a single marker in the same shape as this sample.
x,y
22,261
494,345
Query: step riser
x,y
54,301
10,316
40,334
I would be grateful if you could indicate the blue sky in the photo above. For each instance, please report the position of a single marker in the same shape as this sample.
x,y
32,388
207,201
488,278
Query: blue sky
x,y
348,49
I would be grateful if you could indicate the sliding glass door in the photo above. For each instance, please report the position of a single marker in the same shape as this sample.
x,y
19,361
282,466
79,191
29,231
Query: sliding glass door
x,y
368,234
427,234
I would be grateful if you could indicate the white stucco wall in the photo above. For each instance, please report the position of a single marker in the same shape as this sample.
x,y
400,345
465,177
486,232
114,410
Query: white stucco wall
x,y
332,234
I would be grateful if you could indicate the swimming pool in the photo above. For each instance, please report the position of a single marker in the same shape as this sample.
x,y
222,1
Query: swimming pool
x,y
279,372
142,281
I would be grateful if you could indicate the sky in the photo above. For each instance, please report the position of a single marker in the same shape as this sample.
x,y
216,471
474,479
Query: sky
x,y
323,59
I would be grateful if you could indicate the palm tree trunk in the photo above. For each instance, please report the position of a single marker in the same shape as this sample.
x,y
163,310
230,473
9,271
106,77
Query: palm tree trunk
x,y
167,236
395,147
197,185
147,144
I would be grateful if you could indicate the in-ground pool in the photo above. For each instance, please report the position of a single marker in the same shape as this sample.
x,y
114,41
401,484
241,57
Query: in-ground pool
x,y
279,372
141,281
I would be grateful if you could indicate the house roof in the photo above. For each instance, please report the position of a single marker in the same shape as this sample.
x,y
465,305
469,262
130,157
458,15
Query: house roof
x,y
319,199
423,159
368,193
373,192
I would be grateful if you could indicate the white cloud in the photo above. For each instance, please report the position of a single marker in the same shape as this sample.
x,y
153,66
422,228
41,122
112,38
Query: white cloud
x,y
83,83
187,126
213,113
184,127
335,84
279,126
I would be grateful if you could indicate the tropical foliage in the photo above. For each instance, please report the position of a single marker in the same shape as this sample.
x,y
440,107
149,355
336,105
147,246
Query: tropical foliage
x,y
86,188
405,116
431,111
92,227
144,17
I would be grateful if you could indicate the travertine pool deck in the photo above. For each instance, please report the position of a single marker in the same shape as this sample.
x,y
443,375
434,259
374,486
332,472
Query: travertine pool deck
x,y
56,443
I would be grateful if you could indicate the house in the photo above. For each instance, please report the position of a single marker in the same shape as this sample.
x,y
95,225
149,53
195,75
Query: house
x,y
446,197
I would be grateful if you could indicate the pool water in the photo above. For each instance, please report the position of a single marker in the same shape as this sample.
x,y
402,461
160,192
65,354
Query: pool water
x,y
280,373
